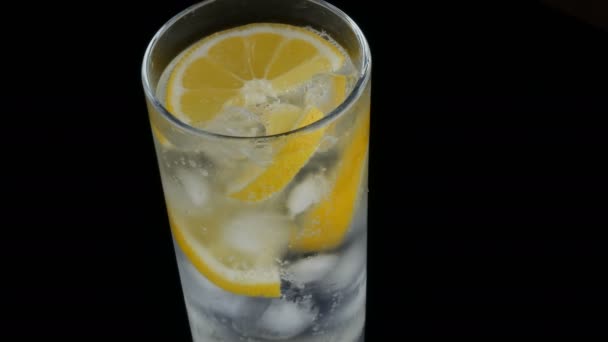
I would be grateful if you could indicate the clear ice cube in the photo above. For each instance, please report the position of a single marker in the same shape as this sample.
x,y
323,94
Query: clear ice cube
x,y
285,319
194,185
308,192
351,330
354,305
213,300
227,154
350,267
257,234
311,269
320,93
187,189
236,121
327,143
203,329
317,92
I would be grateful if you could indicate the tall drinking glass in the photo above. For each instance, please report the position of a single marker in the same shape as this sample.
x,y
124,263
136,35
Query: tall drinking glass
x,y
260,117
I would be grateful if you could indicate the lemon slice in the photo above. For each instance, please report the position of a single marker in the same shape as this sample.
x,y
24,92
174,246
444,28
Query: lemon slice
x,y
156,132
325,225
289,160
161,137
251,62
238,255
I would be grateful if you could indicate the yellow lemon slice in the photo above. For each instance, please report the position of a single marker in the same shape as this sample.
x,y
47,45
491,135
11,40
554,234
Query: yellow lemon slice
x,y
251,62
325,224
237,254
292,156
160,137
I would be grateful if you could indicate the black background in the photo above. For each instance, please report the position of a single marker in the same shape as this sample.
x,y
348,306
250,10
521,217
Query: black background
x,y
487,183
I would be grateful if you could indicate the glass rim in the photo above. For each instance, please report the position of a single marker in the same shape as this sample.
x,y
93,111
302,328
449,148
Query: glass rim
x,y
357,91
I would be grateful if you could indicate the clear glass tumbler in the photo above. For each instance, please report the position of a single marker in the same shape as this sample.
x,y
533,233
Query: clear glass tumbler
x,y
268,216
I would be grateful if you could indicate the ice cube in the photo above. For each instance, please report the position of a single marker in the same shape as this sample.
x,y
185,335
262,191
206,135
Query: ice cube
x,y
320,91
353,329
213,300
354,305
311,269
343,317
317,90
294,96
194,185
285,319
259,235
236,121
308,192
350,267
202,327
327,143
186,190
227,154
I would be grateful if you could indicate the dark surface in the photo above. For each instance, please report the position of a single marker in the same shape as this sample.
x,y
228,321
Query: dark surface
x,y
487,188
